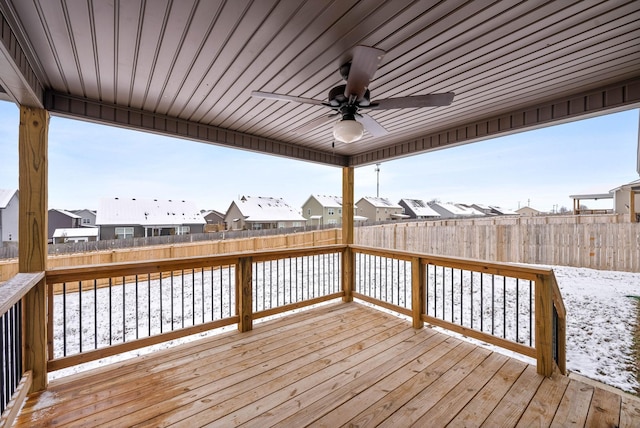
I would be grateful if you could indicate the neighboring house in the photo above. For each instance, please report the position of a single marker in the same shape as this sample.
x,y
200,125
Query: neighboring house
x,y
135,217
61,219
78,234
418,209
379,209
214,219
528,212
9,204
213,216
626,199
450,210
491,209
87,217
258,212
323,210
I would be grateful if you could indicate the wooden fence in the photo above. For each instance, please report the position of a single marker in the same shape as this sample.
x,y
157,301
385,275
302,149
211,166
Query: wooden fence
x,y
9,268
592,241
605,242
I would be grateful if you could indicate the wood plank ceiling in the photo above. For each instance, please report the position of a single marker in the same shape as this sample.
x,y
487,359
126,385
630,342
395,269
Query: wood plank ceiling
x,y
187,68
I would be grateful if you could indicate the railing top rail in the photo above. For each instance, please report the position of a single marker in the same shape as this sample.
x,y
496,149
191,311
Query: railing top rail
x,y
16,288
506,269
88,272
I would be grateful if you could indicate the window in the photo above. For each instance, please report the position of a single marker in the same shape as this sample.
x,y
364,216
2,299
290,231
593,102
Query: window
x,y
124,232
183,230
309,211
86,221
340,211
331,211
332,221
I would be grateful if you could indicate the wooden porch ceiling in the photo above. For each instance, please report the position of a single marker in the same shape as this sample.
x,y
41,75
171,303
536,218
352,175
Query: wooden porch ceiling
x,y
333,366
187,68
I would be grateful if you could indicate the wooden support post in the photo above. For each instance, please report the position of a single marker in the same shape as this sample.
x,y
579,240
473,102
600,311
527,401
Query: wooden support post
x,y
632,206
417,292
244,293
32,237
348,262
544,326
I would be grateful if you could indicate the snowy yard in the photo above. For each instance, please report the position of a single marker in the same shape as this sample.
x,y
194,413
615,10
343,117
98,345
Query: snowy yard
x,y
600,319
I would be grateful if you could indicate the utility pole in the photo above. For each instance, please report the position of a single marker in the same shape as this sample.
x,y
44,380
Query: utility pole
x,y
378,180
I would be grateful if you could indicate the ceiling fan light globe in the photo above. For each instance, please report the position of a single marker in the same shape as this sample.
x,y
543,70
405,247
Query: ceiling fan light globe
x,y
348,131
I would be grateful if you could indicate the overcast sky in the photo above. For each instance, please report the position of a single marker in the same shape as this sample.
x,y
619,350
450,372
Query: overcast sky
x,y
540,168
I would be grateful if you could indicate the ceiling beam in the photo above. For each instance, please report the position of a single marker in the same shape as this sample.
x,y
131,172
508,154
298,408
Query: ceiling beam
x,y
608,99
113,115
18,81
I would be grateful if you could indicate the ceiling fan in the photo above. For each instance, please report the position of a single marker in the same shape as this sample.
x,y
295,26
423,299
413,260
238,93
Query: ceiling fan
x,y
347,100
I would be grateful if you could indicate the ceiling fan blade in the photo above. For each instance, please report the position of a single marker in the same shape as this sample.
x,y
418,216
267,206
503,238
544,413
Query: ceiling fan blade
x,y
282,97
309,126
372,126
431,100
363,66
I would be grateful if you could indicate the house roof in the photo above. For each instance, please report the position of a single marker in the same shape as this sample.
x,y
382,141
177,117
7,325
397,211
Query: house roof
x,y
66,213
328,201
454,209
5,197
147,212
634,185
77,232
380,202
420,208
267,209
189,71
503,211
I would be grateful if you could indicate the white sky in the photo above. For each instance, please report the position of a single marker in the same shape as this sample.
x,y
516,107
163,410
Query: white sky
x,y
540,168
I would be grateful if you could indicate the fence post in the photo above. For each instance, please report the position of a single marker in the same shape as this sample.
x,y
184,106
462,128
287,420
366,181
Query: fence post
x,y
417,292
544,326
348,274
244,293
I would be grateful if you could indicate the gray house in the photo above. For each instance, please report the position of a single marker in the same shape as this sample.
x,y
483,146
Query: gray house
x,y
134,217
8,215
260,212
61,219
418,209
323,210
87,217
379,209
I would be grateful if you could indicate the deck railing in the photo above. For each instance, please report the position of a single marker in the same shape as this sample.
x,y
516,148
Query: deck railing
x,y
98,311
14,381
492,302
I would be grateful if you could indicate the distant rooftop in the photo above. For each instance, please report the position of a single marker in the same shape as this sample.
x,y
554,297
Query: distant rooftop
x,y
147,212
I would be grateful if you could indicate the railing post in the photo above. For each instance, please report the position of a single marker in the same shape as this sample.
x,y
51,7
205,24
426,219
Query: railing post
x,y
348,257
244,293
544,325
417,292
32,236
348,274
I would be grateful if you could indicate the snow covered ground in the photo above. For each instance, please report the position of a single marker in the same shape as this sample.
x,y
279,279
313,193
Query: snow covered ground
x,y
600,321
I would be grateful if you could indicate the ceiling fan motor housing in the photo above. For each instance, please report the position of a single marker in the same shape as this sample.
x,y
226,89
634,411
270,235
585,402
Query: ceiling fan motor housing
x,y
337,98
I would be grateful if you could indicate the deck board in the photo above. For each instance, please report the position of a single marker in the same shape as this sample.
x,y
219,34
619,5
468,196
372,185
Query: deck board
x,y
335,365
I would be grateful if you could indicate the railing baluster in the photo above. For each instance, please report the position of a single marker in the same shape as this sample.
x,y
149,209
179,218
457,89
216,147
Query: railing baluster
x,y
517,310
64,319
80,314
149,302
95,313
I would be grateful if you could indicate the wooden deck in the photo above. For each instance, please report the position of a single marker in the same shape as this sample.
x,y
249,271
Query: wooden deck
x,y
337,365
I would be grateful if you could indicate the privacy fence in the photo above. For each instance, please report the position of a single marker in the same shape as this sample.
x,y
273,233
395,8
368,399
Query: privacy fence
x,y
594,241
606,242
